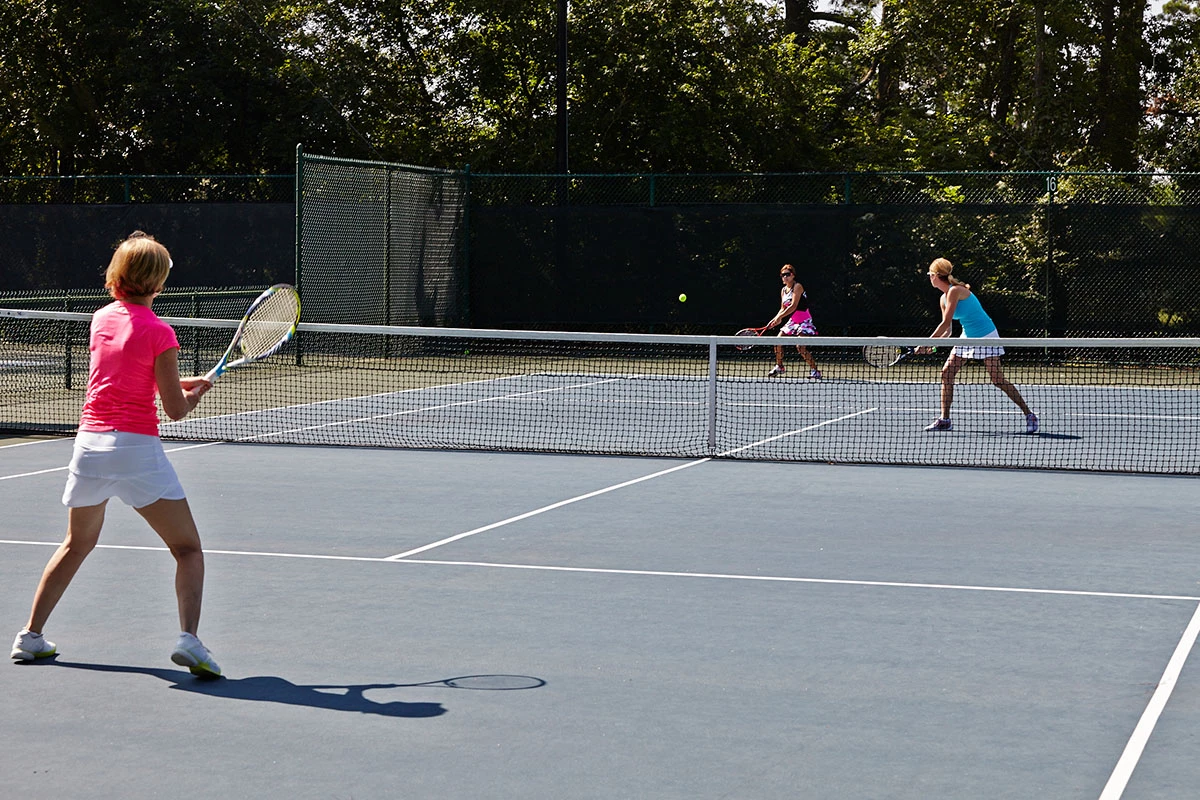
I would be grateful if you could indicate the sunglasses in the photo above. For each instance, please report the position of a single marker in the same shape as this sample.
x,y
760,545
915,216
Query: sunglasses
x,y
784,274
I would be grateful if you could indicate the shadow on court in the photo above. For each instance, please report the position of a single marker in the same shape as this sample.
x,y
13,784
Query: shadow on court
x,y
271,689
1022,435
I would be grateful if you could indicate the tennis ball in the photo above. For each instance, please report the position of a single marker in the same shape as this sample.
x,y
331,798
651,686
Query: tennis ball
x,y
683,298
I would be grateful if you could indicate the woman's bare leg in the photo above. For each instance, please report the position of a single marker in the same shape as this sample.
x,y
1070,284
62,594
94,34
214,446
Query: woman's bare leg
x,y
172,521
996,373
83,531
949,371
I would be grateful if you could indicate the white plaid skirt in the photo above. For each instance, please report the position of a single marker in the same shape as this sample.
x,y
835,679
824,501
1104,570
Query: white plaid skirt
x,y
979,351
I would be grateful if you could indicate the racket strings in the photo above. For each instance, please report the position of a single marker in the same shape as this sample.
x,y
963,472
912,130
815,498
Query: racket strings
x,y
881,355
270,324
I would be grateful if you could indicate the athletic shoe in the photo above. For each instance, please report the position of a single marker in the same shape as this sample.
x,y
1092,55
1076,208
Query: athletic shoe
x,y
28,646
815,374
776,372
190,653
1031,423
940,425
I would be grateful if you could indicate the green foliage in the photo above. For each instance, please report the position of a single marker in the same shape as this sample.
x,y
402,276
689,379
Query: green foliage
x,y
206,86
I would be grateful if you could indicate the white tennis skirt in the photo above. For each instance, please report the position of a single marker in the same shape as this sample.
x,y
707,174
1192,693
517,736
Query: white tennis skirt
x,y
131,466
979,351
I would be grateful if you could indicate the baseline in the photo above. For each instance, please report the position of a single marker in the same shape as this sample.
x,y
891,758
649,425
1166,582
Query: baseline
x,y
727,576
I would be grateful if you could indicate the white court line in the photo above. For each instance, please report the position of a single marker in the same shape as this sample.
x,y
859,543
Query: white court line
x,y
543,510
1141,733
608,489
1075,414
842,418
1173,418
727,576
36,441
368,397
31,474
406,412
63,468
338,400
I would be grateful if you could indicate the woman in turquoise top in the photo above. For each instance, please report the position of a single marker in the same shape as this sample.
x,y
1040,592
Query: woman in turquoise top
x,y
958,303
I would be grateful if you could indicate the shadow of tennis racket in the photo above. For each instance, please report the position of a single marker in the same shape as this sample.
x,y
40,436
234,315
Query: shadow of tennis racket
x,y
334,697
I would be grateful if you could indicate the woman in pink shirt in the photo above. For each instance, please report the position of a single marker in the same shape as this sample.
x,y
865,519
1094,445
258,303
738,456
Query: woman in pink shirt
x,y
117,452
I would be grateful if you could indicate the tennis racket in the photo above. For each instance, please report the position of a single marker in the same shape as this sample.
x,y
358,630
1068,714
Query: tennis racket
x,y
883,355
268,325
749,332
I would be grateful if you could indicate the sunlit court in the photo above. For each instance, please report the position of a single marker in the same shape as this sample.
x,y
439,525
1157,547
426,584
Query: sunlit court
x,y
600,399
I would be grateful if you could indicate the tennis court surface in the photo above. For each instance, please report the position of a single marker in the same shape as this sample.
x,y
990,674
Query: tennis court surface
x,y
459,624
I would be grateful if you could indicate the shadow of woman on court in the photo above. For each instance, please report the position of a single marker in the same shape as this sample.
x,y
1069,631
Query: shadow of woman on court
x,y
272,689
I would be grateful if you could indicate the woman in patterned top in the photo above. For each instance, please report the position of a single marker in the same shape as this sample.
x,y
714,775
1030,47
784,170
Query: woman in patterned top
x,y
793,307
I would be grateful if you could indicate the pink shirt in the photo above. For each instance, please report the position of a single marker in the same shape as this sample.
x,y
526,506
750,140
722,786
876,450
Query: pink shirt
x,y
126,339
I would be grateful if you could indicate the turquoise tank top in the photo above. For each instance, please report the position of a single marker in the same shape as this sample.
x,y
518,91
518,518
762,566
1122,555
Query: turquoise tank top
x,y
975,321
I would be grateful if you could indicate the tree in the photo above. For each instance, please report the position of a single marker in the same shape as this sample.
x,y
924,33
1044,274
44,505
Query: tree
x,y
1172,138
201,86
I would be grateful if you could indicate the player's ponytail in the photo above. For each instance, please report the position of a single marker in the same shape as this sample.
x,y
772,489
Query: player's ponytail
x,y
942,268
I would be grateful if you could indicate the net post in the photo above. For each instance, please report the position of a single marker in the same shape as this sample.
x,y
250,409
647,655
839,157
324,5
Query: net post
x,y
712,396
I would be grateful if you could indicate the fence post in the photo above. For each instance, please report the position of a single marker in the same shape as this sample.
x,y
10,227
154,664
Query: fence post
x,y
464,292
1048,305
387,247
299,189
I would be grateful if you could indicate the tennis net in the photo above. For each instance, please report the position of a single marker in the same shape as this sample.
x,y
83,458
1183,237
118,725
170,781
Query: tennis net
x,y
1130,405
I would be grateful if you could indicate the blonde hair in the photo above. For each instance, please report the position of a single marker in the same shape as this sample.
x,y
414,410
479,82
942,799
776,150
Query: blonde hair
x,y
942,268
138,268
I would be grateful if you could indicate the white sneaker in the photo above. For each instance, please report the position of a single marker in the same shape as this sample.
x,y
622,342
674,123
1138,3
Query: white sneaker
x,y
776,371
815,374
190,653
940,425
1031,423
28,646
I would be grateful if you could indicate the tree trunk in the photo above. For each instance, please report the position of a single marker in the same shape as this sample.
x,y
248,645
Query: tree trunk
x,y
797,18
1118,89
889,67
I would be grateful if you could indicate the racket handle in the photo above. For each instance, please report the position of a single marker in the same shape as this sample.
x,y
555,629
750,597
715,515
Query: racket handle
x,y
213,374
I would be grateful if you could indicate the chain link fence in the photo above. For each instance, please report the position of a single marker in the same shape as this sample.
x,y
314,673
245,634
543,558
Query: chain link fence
x,y
222,230
380,243
1059,254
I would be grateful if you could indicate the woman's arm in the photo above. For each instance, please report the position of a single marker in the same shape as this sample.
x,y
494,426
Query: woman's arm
x,y
949,303
787,310
179,395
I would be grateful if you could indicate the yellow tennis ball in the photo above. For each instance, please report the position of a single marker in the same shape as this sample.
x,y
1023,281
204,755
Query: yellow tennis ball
x,y
683,298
